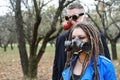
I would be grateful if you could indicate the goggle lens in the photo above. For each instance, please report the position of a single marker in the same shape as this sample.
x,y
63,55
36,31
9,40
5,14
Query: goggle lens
x,y
74,17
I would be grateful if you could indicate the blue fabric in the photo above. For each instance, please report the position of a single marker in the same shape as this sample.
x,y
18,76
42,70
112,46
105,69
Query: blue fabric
x,y
105,68
60,55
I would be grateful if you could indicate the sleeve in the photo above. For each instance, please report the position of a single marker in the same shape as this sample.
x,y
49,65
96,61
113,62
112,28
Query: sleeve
x,y
106,50
60,56
110,72
55,68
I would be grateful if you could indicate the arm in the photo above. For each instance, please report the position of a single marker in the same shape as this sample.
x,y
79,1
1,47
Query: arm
x,y
106,50
110,73
55,68
60,56
106,69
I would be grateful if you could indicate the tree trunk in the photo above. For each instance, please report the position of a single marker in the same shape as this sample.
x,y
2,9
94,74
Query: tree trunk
x,y
32,69
21,38
114,50
30,66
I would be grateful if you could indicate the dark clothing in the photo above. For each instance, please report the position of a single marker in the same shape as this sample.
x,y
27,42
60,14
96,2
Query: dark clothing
x,y
106,50
60,55
76,77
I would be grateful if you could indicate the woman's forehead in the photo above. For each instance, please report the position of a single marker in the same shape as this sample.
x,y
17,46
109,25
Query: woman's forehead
x,y
78,32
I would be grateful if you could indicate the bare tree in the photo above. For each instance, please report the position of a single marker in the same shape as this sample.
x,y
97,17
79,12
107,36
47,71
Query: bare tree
x,y
107,21
7,31
21,38
30,63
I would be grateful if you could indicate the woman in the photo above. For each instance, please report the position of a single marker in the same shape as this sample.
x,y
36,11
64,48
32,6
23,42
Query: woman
x,y
84,61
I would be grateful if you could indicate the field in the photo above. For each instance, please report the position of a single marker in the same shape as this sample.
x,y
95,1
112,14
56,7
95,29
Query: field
x,y
10,66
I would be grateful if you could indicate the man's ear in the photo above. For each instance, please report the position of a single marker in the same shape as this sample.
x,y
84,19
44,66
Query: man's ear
x,y
84,18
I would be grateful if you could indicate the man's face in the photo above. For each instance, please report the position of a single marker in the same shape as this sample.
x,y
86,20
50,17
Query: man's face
x,y
76,13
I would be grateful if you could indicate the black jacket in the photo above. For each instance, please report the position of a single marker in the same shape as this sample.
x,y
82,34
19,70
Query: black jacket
x,y
60,55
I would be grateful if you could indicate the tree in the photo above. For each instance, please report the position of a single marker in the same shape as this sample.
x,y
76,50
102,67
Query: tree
x,y
107,20
30,63
7,31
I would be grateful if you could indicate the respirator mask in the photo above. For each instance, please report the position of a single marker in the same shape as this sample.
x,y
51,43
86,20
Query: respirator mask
x,y
76,45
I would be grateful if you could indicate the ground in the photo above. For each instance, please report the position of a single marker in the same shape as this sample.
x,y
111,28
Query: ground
x,y
10,67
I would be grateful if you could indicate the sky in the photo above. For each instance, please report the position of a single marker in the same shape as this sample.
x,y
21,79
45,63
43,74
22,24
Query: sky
x,y
4,4
83,2
3,7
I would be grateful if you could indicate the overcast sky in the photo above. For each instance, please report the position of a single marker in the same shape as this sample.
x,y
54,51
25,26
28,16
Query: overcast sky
x,y
4,3
3,8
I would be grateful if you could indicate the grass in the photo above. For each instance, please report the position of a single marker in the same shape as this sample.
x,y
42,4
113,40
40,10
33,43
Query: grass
x,y
10,66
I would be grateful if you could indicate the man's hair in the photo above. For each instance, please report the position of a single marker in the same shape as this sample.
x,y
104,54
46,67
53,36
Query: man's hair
x,y
75,5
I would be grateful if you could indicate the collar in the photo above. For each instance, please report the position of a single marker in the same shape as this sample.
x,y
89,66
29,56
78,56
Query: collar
x,y
91,61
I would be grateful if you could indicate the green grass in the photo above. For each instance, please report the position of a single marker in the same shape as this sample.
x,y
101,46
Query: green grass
x,y
9,51
49,48
10,66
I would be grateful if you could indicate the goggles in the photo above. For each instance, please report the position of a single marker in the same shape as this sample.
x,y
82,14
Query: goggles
x,y
74,17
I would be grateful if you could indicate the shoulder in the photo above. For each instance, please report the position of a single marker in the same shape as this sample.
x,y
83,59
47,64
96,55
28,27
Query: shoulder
x,y
105,64
63,36
106,68
104,60
102,36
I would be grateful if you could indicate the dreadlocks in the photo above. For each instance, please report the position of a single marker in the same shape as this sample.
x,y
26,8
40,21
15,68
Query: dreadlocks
x,y
96,46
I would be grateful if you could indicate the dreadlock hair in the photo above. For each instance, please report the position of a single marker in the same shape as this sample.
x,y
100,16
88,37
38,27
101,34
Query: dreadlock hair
x,y
96,45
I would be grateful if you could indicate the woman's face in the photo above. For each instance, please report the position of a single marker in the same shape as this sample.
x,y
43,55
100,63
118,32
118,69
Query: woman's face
x,y
80,34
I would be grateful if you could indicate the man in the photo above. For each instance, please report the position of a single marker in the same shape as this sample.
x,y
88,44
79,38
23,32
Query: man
x,y
75,15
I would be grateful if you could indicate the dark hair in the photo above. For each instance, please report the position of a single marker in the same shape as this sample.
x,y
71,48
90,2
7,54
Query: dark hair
x,y
75,5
